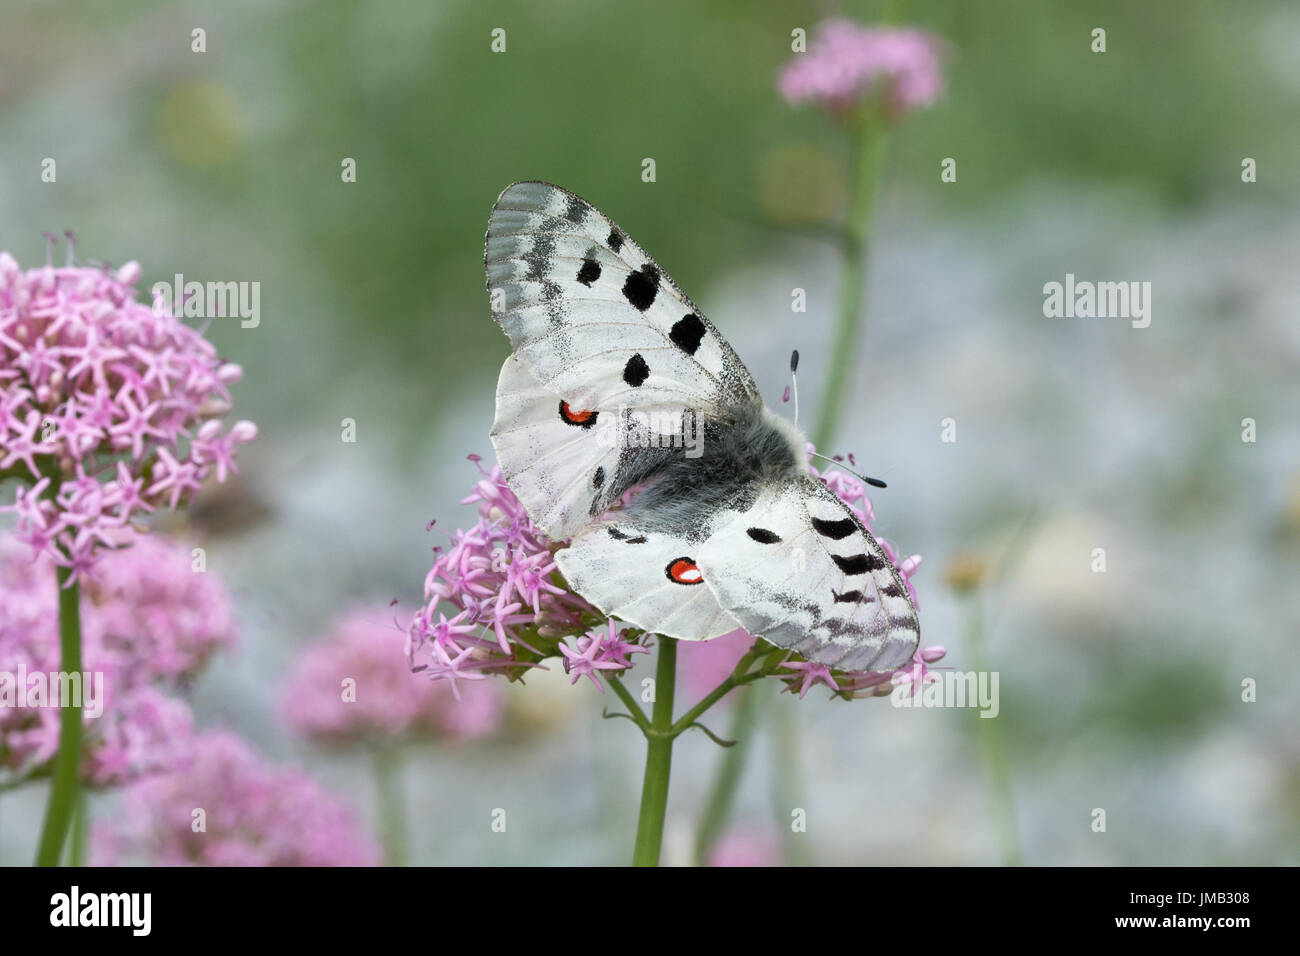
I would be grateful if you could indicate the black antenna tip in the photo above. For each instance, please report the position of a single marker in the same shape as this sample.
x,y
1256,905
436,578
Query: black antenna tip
x,y
794,361
875,482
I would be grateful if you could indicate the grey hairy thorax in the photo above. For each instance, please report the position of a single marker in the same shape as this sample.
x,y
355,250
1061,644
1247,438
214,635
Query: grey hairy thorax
x,y
740,458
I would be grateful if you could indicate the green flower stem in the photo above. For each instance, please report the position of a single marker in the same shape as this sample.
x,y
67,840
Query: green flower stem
x,y
993,751
67,762
392,804
727,780
77,845
848,320
785,784
658,760
634,709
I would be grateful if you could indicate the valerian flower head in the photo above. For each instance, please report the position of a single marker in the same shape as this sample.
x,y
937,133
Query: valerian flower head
x,y
509,608
254,814
150,624
848,64
109,408
354,687
495,604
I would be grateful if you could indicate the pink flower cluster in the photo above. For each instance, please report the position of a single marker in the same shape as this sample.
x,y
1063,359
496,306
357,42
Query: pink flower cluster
x,y
355,687
109,408
149,624
225,806
509,609
848,63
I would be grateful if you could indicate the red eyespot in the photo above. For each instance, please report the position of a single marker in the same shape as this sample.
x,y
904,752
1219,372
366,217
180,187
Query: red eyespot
x,y
684,571
583,419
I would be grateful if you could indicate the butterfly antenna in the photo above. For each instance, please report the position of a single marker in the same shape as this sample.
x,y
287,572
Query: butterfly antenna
x,y
874,482
794,382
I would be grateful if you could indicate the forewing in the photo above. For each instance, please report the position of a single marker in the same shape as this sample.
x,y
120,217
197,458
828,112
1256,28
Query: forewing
x,y
567,462
590,312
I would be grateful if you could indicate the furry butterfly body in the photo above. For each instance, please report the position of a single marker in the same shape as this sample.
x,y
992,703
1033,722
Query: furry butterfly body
x,y
613,368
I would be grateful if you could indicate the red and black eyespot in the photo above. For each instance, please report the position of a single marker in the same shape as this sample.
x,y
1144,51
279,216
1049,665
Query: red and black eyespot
x,y
570,416
684,571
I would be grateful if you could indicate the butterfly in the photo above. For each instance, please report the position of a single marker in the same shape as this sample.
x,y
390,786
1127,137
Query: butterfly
x,y
618,383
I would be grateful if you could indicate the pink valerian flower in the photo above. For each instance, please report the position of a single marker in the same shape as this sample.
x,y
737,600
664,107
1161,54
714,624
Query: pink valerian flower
x,y
595,652
848,63
253,814
109,408
848,684
149,626
162,618
742,847
919,671
494,602
703,665
354,687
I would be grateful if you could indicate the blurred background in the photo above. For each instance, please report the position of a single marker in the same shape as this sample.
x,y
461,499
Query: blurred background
x,y
1119,690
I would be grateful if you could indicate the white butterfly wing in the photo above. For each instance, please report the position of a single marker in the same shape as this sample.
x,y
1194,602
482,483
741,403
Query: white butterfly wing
x,y
645,577
614,369
592,315
567,464
798,569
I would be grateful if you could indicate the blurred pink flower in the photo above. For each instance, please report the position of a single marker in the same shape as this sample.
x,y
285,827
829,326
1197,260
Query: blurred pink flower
x,y
848,63
703,665
109,408
384,700
149,625
252,814
746,848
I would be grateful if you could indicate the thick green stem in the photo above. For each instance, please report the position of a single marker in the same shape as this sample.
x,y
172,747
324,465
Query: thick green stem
x,y
866,172
77,844
67,762
788,773
392,805
727,780
658,760
993,751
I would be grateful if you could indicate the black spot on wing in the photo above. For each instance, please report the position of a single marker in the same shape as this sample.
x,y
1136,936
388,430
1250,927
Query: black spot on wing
x,y
857,563
893,589
620,536
615,240
835,530
598,479
763,536
642,287
848,597
636,371
687,333
589,272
